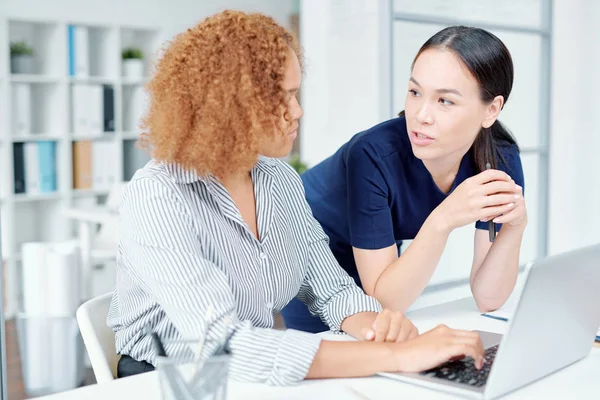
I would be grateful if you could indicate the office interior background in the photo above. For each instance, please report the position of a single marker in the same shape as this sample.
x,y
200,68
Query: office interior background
x,y
72,77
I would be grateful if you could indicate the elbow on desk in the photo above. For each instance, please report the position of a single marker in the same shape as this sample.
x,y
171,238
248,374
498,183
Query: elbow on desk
x,y
488,305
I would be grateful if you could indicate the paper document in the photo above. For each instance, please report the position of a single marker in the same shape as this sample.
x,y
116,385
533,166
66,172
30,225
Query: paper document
x,y
504,315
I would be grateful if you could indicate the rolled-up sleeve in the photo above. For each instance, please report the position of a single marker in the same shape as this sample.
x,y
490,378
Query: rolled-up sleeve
x,y
328,290
196,297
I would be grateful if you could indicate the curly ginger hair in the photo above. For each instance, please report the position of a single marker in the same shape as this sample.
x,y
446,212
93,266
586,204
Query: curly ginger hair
x,y
216,93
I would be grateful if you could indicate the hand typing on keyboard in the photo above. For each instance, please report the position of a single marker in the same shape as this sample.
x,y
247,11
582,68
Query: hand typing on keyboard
x,y
464,371
438,346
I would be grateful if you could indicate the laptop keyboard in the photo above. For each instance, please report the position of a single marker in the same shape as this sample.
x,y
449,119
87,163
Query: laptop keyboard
x,y
464,371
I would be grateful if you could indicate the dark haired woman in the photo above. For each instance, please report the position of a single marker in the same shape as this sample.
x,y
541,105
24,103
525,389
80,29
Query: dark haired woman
x,y
422,175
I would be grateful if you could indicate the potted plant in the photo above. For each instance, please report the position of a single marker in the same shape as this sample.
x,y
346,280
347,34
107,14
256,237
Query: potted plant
x,y
298,165
133,63
21,58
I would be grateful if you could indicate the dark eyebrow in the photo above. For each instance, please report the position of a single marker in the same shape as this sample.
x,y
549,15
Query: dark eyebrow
x,y
413,80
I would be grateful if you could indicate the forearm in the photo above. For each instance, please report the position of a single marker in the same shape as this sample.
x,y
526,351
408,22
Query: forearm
x,y
351,359
495,279
357,325
404,280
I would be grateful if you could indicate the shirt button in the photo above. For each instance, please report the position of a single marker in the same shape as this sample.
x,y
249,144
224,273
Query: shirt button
x,y
263,256
269,305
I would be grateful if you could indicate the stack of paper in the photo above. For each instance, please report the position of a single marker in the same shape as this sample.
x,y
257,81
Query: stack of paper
x,y
504,315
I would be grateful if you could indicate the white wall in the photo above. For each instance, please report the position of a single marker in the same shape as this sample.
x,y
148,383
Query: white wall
x,y
346,86
170,15
575,127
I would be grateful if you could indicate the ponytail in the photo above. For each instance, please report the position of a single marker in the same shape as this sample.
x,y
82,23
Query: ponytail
x,y
487,144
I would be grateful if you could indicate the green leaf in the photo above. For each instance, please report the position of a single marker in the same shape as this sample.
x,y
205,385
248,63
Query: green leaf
x,y
20,49
132,53
298,165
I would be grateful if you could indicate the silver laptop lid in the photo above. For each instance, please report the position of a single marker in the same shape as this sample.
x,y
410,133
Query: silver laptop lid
x,y
555,321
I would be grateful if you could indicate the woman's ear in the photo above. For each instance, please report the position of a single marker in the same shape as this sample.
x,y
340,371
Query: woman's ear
x,y
492,111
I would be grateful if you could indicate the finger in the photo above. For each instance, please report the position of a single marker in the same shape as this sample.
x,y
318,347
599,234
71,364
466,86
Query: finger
x,y
405,331
413,333
499,199
395,327
464,333
476,352
368,334
490,175
495,211
515,213
513,216
500,187
382,326
471,339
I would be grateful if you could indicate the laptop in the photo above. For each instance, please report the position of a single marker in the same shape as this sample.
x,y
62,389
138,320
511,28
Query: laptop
x,y
553,326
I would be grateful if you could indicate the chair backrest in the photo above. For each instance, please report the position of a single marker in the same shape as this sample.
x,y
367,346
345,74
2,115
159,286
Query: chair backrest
x,y
99,339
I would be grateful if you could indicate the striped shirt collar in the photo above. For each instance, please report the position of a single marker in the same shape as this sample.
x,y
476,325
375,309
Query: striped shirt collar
x,y
185,176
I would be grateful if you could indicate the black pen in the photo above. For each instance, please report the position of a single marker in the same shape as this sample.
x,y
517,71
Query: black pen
x,y
491,223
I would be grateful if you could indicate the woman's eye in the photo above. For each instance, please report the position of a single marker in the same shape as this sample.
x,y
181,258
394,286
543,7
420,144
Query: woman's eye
x,y
413,92
446,102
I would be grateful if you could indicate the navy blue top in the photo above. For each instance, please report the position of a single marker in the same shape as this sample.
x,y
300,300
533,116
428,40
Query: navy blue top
x,y
373,192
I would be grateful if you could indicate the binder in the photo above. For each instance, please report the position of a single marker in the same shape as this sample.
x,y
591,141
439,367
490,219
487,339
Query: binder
x,y
21,112
19,167
109,108
47,166
96,109
80,112
32,168
82,164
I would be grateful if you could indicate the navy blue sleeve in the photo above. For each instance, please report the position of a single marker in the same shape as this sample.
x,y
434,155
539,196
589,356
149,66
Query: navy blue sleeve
x,y
510,162
369,214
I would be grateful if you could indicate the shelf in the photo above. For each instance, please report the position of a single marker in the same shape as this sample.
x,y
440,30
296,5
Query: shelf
x,y
26,197
93,136
131,135
37,138
38,103
133,82
96,80
90,192
34,78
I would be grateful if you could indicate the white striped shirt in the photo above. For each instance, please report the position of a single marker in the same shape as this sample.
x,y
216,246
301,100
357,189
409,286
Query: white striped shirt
x,y
190,268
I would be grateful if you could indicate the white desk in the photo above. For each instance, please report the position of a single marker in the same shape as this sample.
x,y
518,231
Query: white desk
x,y
579,381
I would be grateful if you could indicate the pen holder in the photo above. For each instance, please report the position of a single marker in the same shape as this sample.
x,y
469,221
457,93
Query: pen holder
x,y
204,381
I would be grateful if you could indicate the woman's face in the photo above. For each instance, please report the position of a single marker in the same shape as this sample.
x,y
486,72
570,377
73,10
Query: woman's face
x,y
280,145
444,110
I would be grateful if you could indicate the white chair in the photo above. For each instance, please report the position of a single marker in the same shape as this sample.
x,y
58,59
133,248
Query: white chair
x,y
99,339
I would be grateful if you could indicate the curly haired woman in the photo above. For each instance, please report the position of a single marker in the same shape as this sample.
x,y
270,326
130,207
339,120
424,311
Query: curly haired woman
x,y
217,237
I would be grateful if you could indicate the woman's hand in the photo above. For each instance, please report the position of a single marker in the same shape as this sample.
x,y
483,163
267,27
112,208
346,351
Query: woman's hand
x,y
391,326
438,346
487,195
517,215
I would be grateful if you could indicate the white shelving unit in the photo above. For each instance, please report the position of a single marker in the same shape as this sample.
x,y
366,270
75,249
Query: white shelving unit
x,y
30,217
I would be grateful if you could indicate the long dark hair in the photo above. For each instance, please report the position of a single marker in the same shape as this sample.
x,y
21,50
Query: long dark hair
x,y
489,61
